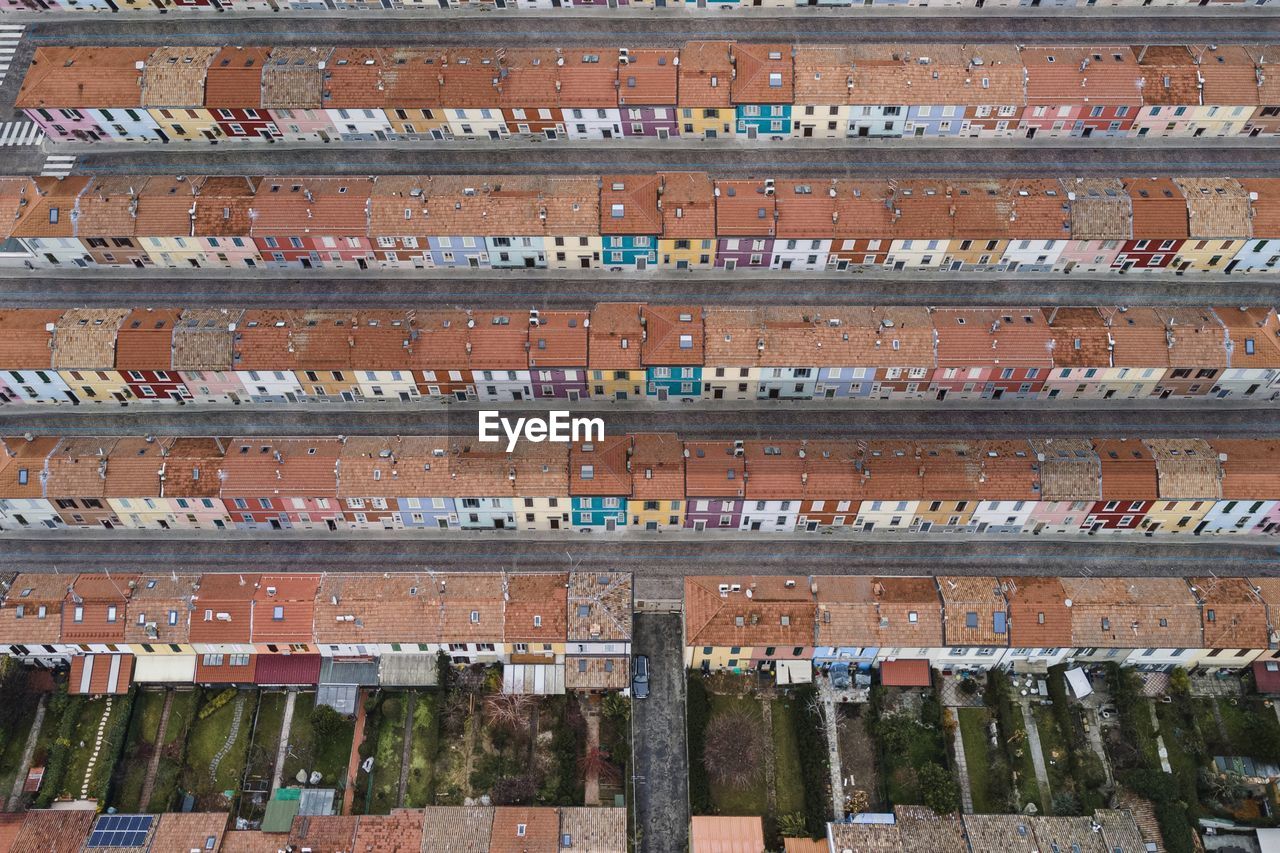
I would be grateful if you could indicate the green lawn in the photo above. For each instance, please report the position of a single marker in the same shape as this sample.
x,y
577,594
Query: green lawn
x,y
82,742
144,729
1183,762
14,741
752,800
1252,728
788,782
266,735
329,757
384,729
174,750
424,755
1145,732
1024,765
977,752
207,738
1054,746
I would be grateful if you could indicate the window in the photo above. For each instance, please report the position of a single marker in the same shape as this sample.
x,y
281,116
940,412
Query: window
x,y
277,613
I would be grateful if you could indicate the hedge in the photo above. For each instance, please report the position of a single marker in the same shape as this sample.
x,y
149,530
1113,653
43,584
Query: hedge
x,y
1170,811
211,707
811,743
55,765
697,715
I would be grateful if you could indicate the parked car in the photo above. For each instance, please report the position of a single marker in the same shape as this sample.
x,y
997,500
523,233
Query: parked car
x,y
640,677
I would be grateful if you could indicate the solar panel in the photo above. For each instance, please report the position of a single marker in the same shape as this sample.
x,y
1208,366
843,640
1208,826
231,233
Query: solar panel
x,y
121,830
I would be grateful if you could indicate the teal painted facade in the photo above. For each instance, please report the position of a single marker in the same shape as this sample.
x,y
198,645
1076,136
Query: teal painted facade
x,y
597,512
630,251
765,119
673,382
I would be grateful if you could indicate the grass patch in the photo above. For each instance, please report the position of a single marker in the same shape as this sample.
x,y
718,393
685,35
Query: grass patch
x,y
82,741
144,729
1184,764
1144,733
1252,728
207,739
1054,746
1023,764
977,752
329,756
424,755
753,799
379,791
15,741
266,735
788,781
173,751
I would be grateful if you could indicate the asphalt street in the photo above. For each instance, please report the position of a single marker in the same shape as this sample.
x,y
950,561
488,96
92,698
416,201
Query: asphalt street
x,y
700,420
821,159
337,289
1161,25
659,737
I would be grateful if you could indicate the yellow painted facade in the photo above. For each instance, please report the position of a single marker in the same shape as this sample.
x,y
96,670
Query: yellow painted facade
x,y
687,254
1207,255
1176,516
608,384
697,121
96,385
667,515
174,251
186,125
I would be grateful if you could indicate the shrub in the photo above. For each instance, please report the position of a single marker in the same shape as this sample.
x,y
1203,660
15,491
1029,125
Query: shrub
x,y
55,766
1170,812
211,707
697,715
938,788
326,723
811,745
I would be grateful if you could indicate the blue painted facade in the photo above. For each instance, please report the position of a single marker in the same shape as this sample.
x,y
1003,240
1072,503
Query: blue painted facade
x,y
429,514
465,252
843,382
630,251
592,512
673,382
766,119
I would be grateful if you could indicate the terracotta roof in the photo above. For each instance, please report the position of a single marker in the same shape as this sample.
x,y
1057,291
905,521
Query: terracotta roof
x,y
594,830
321,340
615,336
764,74
464,829
536,608
471,607
949,470
324,833
398,832
353,78
284,608
49,831
743,209
190,831
649,78
673,335
992,833
559,340
822,74
936,74
133,467
923,209
1133,613
412,77
1264,196
1169,75
861,611
1196,337
84,77
1140,337
497,343
1100,209
629,204
657,466
26,342
891,471
15,193
975,612
775,614
1254,333
253,841
164,207
145,339
223,207
1039,617
1233,614
364,608
688,206
589,78
804,210
337,207
234,79
413,466
706,72
202,339
530,78
262,340
191,468
86,338
1266,57
798,470
1187,468
601,468
599,606
1070,469
520,829
51,211
1159,209
1080,337
864,210
1231,75
469,77
1128,470
396,207
1251,468
1041,210
486,470
98,595
922,828
23,463
292,78
266,467
159,609
759,336
1091,75
78,467
443,340
713,470
716,834
1008,337
174,76
1217,207
1009,470
28,593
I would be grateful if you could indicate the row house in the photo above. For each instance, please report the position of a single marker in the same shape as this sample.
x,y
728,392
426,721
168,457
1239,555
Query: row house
x,y
633,223
647,483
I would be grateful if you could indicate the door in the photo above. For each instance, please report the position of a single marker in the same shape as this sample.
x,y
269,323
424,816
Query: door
x,y
699,525
611,524
662,394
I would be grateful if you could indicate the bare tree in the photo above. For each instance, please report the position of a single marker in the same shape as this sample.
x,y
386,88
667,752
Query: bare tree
x,y
733,747
510,710
597,761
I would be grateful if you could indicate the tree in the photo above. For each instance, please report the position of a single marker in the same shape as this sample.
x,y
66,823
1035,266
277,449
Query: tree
x,y
938,788
1226,788
1179,682
514,790
508,710
326,723
1065,803
596,761
616,707
734,745
792,826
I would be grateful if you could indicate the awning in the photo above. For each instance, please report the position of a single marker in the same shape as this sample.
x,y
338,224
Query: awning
x,y
912,672
97,675
287,669
541,679
1079,682
362,672
794,672
407,670
164,669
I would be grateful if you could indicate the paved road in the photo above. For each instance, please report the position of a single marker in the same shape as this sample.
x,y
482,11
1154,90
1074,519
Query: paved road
x,y
1161,25
658,560
334,289
822,159
658,737
701,420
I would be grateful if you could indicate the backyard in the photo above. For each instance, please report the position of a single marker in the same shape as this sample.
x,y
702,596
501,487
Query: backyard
x,y
217,747
17,716
326,752
980,759
911,739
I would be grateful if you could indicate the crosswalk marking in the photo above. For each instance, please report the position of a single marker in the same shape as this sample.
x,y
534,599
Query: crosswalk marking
x,y
20,133
58,165
10,35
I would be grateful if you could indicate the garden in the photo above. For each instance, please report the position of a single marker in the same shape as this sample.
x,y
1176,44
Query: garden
x,y
912,731
758,751
319,742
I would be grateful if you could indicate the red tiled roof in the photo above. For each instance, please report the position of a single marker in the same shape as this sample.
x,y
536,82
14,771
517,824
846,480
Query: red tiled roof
x,y
287,669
